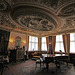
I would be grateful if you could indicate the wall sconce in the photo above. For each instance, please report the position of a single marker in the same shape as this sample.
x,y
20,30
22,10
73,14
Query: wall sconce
x,y
24,41
50,42
11,40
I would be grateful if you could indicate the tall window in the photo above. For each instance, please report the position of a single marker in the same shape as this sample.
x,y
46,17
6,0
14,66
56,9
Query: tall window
x,y
59,43
33,43
44,45
72,42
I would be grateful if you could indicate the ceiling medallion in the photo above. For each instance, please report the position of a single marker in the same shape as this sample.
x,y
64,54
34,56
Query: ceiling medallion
x,y
34,18
36,23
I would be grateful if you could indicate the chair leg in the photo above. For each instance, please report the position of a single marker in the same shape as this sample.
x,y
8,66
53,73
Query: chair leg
x,y
36,64
43,63
6,66
67,63
40,64
2,70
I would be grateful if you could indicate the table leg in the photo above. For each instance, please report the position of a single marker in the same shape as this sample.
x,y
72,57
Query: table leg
x,y
47,66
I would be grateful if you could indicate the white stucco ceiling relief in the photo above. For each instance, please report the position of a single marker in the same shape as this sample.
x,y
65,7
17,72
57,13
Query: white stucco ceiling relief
x,y
38,17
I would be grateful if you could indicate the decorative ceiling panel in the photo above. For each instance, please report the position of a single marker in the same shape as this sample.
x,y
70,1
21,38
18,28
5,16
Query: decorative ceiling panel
x,y
4,6
34,18
68,10
38,17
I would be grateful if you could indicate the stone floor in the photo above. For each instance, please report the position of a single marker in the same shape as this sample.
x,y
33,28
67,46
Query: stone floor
x,y
30,65
71,71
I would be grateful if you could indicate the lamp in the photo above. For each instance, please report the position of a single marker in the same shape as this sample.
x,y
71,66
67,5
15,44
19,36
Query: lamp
x,y
50,42
24,41
11,40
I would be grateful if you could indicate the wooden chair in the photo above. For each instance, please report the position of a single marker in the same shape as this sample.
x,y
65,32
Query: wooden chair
x,y
40,61
1,68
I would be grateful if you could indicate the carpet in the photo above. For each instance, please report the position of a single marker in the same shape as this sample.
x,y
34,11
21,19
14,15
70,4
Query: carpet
x,y
29,68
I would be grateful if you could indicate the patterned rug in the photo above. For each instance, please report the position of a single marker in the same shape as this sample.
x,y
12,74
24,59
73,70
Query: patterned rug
x,y
29,68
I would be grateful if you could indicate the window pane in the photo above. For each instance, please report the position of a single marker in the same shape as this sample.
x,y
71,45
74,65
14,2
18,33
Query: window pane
x,y
59,43
62,48
72,36
72,42
33,39
43,39
44,45
30,46
57,47
30,38
36,46
33,43
36,39
59,38
72,46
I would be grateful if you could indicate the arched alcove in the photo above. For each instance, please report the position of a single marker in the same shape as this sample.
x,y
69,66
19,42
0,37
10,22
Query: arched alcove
x,y
18,42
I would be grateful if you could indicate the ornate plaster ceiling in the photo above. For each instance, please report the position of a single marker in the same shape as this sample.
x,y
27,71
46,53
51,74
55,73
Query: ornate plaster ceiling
x,y
38,17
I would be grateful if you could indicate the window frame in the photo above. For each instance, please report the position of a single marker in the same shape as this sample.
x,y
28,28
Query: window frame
x,y
43,43
33,41
72,41
60,42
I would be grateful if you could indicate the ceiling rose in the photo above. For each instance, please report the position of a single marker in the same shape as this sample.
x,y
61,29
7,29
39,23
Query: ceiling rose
x,y
34,18
36,23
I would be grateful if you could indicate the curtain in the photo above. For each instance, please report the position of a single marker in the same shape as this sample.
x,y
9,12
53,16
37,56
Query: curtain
x,y
39,44
68,43
27,42
50,44
64,42
47,43
4,40
53,43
